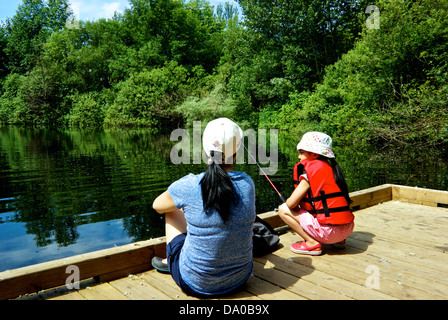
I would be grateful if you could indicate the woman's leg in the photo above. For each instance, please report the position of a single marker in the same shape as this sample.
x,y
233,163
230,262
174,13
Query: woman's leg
x,y
175,224
291,218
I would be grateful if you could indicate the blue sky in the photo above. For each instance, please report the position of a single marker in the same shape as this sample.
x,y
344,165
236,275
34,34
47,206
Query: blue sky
x,y
85,9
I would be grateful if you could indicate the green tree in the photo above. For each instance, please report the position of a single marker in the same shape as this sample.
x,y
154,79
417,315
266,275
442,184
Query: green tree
x,y
288,44
12,106
147,98
182,32
30,27
390,89
3,55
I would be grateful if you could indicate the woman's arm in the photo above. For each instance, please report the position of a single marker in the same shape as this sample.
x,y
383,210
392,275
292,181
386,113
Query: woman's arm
x,y
164,203
298,194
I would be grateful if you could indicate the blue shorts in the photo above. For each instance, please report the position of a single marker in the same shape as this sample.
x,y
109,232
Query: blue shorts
x,y
173,250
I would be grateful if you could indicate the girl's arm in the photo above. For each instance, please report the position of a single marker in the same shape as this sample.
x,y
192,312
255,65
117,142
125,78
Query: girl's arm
x,y
164,203
298,194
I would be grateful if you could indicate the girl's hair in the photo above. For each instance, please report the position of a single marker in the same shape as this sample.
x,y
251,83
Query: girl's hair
x,y
340,180
217,188
338,177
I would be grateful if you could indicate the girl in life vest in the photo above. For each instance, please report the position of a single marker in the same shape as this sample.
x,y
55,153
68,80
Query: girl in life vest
x,y
319,208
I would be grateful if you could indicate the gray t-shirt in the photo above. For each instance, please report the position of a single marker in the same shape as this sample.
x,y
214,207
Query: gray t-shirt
x,y
216,257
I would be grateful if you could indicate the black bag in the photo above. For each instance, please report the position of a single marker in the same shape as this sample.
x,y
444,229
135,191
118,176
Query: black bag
x,y
265,239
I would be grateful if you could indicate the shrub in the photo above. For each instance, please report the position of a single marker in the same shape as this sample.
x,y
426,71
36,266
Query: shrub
x,y
147,98
199,108
86,110
12,106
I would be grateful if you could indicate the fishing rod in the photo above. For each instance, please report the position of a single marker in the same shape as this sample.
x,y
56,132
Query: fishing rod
x,y
273,186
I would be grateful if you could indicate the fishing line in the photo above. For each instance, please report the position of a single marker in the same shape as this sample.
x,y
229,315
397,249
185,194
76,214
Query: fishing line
x,y
273,186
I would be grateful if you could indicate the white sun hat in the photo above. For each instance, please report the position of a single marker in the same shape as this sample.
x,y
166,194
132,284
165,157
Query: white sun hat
x,y
222,135
317,142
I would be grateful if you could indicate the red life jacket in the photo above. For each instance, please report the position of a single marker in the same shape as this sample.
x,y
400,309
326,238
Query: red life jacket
x,y
324,198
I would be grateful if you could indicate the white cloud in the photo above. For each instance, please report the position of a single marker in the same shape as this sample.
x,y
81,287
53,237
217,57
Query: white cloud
x,y
110,8
96,9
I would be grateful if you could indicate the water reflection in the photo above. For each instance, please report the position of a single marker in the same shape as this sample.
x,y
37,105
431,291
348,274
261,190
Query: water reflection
x,y
65,192
53,182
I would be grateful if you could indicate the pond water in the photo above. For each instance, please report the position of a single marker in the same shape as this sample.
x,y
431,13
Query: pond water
x,y
66,192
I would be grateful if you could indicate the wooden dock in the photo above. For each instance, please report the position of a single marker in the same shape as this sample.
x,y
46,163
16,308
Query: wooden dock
x,y
398,250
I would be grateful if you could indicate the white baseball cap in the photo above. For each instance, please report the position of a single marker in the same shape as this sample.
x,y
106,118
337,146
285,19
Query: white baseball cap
x,y
317,142
222,135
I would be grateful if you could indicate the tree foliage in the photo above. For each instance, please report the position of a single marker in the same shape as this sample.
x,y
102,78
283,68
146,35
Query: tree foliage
x,y
287,46
293,65
29,29
391,87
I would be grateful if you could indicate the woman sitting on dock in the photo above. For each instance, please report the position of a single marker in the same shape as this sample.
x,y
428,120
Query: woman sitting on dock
x,y
319,208
209,219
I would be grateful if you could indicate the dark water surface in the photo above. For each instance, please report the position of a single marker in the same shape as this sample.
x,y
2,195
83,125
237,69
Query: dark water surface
x,y
66,192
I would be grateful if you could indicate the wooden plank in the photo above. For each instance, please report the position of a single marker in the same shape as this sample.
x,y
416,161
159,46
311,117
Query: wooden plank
x,y
394,276
103,291
136,289
273,219
90,293
371,196
420,195
123,272
295,284
266,290
241,294
428,243
350,272
419,226
308,272
423,263
403,271
166,284
52,274
351,264
401,252
419,254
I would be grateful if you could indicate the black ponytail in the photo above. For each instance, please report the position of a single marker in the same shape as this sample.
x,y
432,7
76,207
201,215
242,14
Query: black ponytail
x,y
217,188
340,180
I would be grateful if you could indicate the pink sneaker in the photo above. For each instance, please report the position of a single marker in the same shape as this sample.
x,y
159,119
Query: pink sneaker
x,y
302,248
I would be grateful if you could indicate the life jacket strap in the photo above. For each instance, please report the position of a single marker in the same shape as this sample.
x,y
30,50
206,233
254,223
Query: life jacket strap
x,y
322,196
324,203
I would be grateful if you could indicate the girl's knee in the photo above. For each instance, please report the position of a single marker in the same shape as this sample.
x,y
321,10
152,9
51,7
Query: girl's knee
x,y
283,210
